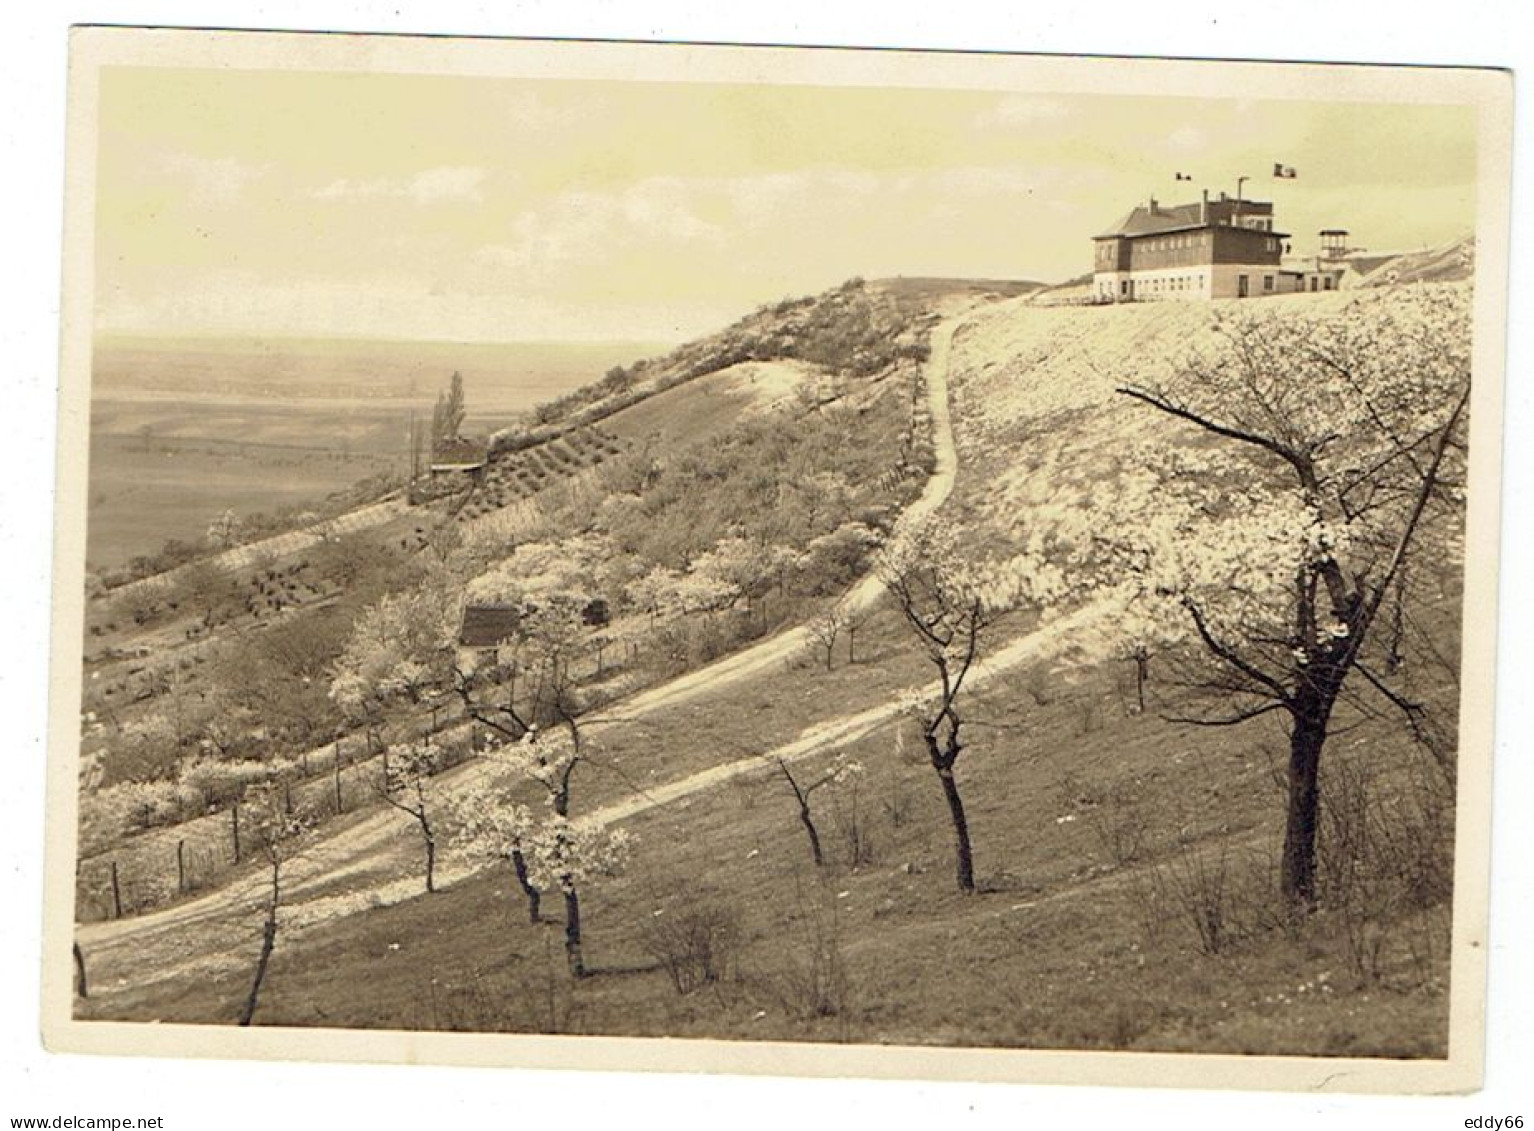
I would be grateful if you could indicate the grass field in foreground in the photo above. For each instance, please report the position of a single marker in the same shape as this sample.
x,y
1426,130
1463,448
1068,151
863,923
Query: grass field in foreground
x,y
1079,810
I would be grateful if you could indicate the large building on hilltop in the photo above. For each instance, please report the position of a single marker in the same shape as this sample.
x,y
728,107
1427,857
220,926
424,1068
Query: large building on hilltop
x,y
1221,248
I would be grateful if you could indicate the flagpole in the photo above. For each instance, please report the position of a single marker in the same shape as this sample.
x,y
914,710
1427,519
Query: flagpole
x,y
1281,173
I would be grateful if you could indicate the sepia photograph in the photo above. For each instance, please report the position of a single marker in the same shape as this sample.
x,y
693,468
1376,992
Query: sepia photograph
x,y
886,563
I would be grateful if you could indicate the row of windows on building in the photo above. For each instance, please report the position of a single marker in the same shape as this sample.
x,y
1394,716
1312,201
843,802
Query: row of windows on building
x,y
1181,284
1166,284
1172,283
1317,283
1106,251
1173,243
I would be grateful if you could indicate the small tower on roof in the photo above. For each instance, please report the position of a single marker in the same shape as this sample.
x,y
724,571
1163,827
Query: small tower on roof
x,y
1334,243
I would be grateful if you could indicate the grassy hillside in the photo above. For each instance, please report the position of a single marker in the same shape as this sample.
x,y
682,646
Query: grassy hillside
x,y
656,484
1453,262
1125,860
1088,820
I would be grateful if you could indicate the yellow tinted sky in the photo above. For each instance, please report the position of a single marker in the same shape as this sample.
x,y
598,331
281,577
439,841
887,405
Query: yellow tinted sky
x,y
510,209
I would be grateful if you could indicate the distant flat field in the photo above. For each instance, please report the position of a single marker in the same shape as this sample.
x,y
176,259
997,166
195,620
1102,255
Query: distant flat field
x,y
139,497
499,378
183,430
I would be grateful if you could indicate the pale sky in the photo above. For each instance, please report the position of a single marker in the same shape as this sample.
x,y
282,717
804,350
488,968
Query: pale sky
x,y
488,209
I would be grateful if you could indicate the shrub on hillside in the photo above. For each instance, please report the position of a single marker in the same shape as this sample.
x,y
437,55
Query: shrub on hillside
x,y
214,783
109,814
695,942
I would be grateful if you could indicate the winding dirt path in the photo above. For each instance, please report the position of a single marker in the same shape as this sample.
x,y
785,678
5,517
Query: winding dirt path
x,y
355,869
790,642
342,872
834,733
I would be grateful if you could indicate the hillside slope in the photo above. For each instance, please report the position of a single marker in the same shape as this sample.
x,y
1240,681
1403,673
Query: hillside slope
x,y
1107,836
1453,262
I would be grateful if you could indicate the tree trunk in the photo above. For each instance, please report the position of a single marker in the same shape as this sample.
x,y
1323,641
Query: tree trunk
x,y
81,986
1142,664
809,828
573,933
966,864
431,857
268,941
852,651
1298,877
534,896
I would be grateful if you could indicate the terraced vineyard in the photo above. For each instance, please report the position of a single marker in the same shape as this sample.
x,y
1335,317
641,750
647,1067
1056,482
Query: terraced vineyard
x,y
513,477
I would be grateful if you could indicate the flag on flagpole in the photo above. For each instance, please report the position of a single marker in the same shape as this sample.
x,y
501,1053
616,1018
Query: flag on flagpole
x,y
1284,172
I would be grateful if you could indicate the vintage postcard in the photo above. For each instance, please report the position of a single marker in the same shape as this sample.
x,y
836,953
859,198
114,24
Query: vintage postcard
x,y
897,564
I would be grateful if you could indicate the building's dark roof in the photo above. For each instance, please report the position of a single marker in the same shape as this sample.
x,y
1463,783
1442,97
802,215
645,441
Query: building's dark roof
x,y
1141,221
459,453
1144,220
485,626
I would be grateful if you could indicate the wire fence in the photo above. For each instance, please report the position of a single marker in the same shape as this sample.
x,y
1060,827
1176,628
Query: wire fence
x,y
161,865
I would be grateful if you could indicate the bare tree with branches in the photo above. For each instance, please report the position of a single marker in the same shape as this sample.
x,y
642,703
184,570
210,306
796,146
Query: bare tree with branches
x,y
823,631
279,836
949,603
804,786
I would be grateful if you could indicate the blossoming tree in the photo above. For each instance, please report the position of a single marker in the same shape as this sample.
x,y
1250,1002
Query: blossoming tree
x,y
407,785
1323,452
566,854
529,681
401,648
552,852
950,601
489,826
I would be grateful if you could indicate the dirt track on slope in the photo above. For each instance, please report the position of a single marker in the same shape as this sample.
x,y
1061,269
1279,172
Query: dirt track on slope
x,y
347,871
787,644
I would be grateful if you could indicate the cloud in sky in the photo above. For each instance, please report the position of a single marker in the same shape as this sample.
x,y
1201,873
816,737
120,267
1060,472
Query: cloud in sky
x,y
210,182
1023,110
455,207
1187,139
431,186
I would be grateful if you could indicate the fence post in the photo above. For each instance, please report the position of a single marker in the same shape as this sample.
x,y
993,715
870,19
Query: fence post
x,y
117,894
181,866
234,814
